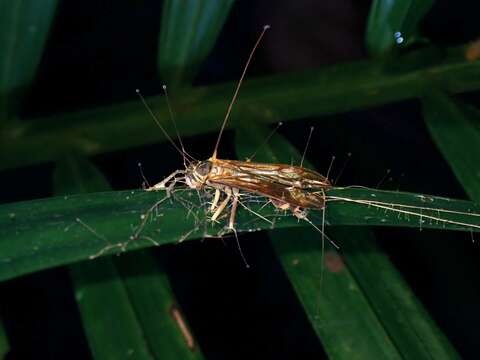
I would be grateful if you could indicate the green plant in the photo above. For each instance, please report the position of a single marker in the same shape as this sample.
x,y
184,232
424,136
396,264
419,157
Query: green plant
x,y
67,229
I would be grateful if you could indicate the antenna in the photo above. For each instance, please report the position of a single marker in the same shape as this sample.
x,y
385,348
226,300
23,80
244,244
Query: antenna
x,y
265,28
145,181
306,146
330,166
383,178
349,155
265,141
158,122
172,119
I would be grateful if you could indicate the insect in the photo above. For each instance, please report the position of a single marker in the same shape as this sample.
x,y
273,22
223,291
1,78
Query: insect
x,y
287,187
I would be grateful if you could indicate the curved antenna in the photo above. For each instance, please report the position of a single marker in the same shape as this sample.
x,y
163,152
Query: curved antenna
x,y
214,155
172,119
264,141
349,155
330,166
158,122
306,146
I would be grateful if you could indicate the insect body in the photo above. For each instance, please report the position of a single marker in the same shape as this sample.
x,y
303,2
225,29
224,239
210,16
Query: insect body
x,y
287,187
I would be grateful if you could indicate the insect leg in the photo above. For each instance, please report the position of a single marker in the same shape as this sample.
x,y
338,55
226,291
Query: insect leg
x,y
233,212
222,206
162,184
231,223
215,200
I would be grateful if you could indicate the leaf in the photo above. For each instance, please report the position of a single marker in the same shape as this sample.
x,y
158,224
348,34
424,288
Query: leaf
x,y
394,22
283,97
156,307
408,324
455,128
143,299
24,28
188,33
362,302
40,234
339,312
104,302
97,281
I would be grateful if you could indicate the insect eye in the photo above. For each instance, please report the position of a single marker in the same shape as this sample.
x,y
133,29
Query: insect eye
x,y
204,168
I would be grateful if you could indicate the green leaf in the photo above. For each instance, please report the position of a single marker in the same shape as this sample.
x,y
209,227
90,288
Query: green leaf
x,y
339,312
362,308
40,234
156,307
143,299
456,131
96,282
394,22
24,28
189,31
404,318
110,322
330,90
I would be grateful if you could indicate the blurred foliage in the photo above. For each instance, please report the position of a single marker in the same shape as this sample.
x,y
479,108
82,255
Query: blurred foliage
x,y
24,28
188,32
394,23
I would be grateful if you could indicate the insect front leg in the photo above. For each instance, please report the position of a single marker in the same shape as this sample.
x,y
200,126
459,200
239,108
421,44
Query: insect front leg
x,y
162,184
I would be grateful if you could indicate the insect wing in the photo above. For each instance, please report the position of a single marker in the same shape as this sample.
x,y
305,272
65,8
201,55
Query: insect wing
x,y
263,185
288,175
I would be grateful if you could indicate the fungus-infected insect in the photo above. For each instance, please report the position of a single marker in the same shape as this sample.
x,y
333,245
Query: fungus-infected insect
x,y
287,187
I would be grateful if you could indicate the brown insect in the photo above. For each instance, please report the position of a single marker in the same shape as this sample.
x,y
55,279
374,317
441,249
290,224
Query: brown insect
x,y
287,187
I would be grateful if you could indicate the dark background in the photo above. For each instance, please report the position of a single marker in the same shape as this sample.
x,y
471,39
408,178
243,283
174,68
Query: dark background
x,y
98,52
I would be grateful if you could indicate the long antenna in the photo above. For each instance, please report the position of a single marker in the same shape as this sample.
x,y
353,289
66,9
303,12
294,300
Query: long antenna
x,y
158,122
342,170
172,119
306,146
265,28
265,141
330,166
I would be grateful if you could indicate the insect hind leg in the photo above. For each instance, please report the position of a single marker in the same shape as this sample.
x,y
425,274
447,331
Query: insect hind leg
x,y
231,223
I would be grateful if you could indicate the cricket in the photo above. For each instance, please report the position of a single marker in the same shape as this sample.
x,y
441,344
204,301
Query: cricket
x,y
292,189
